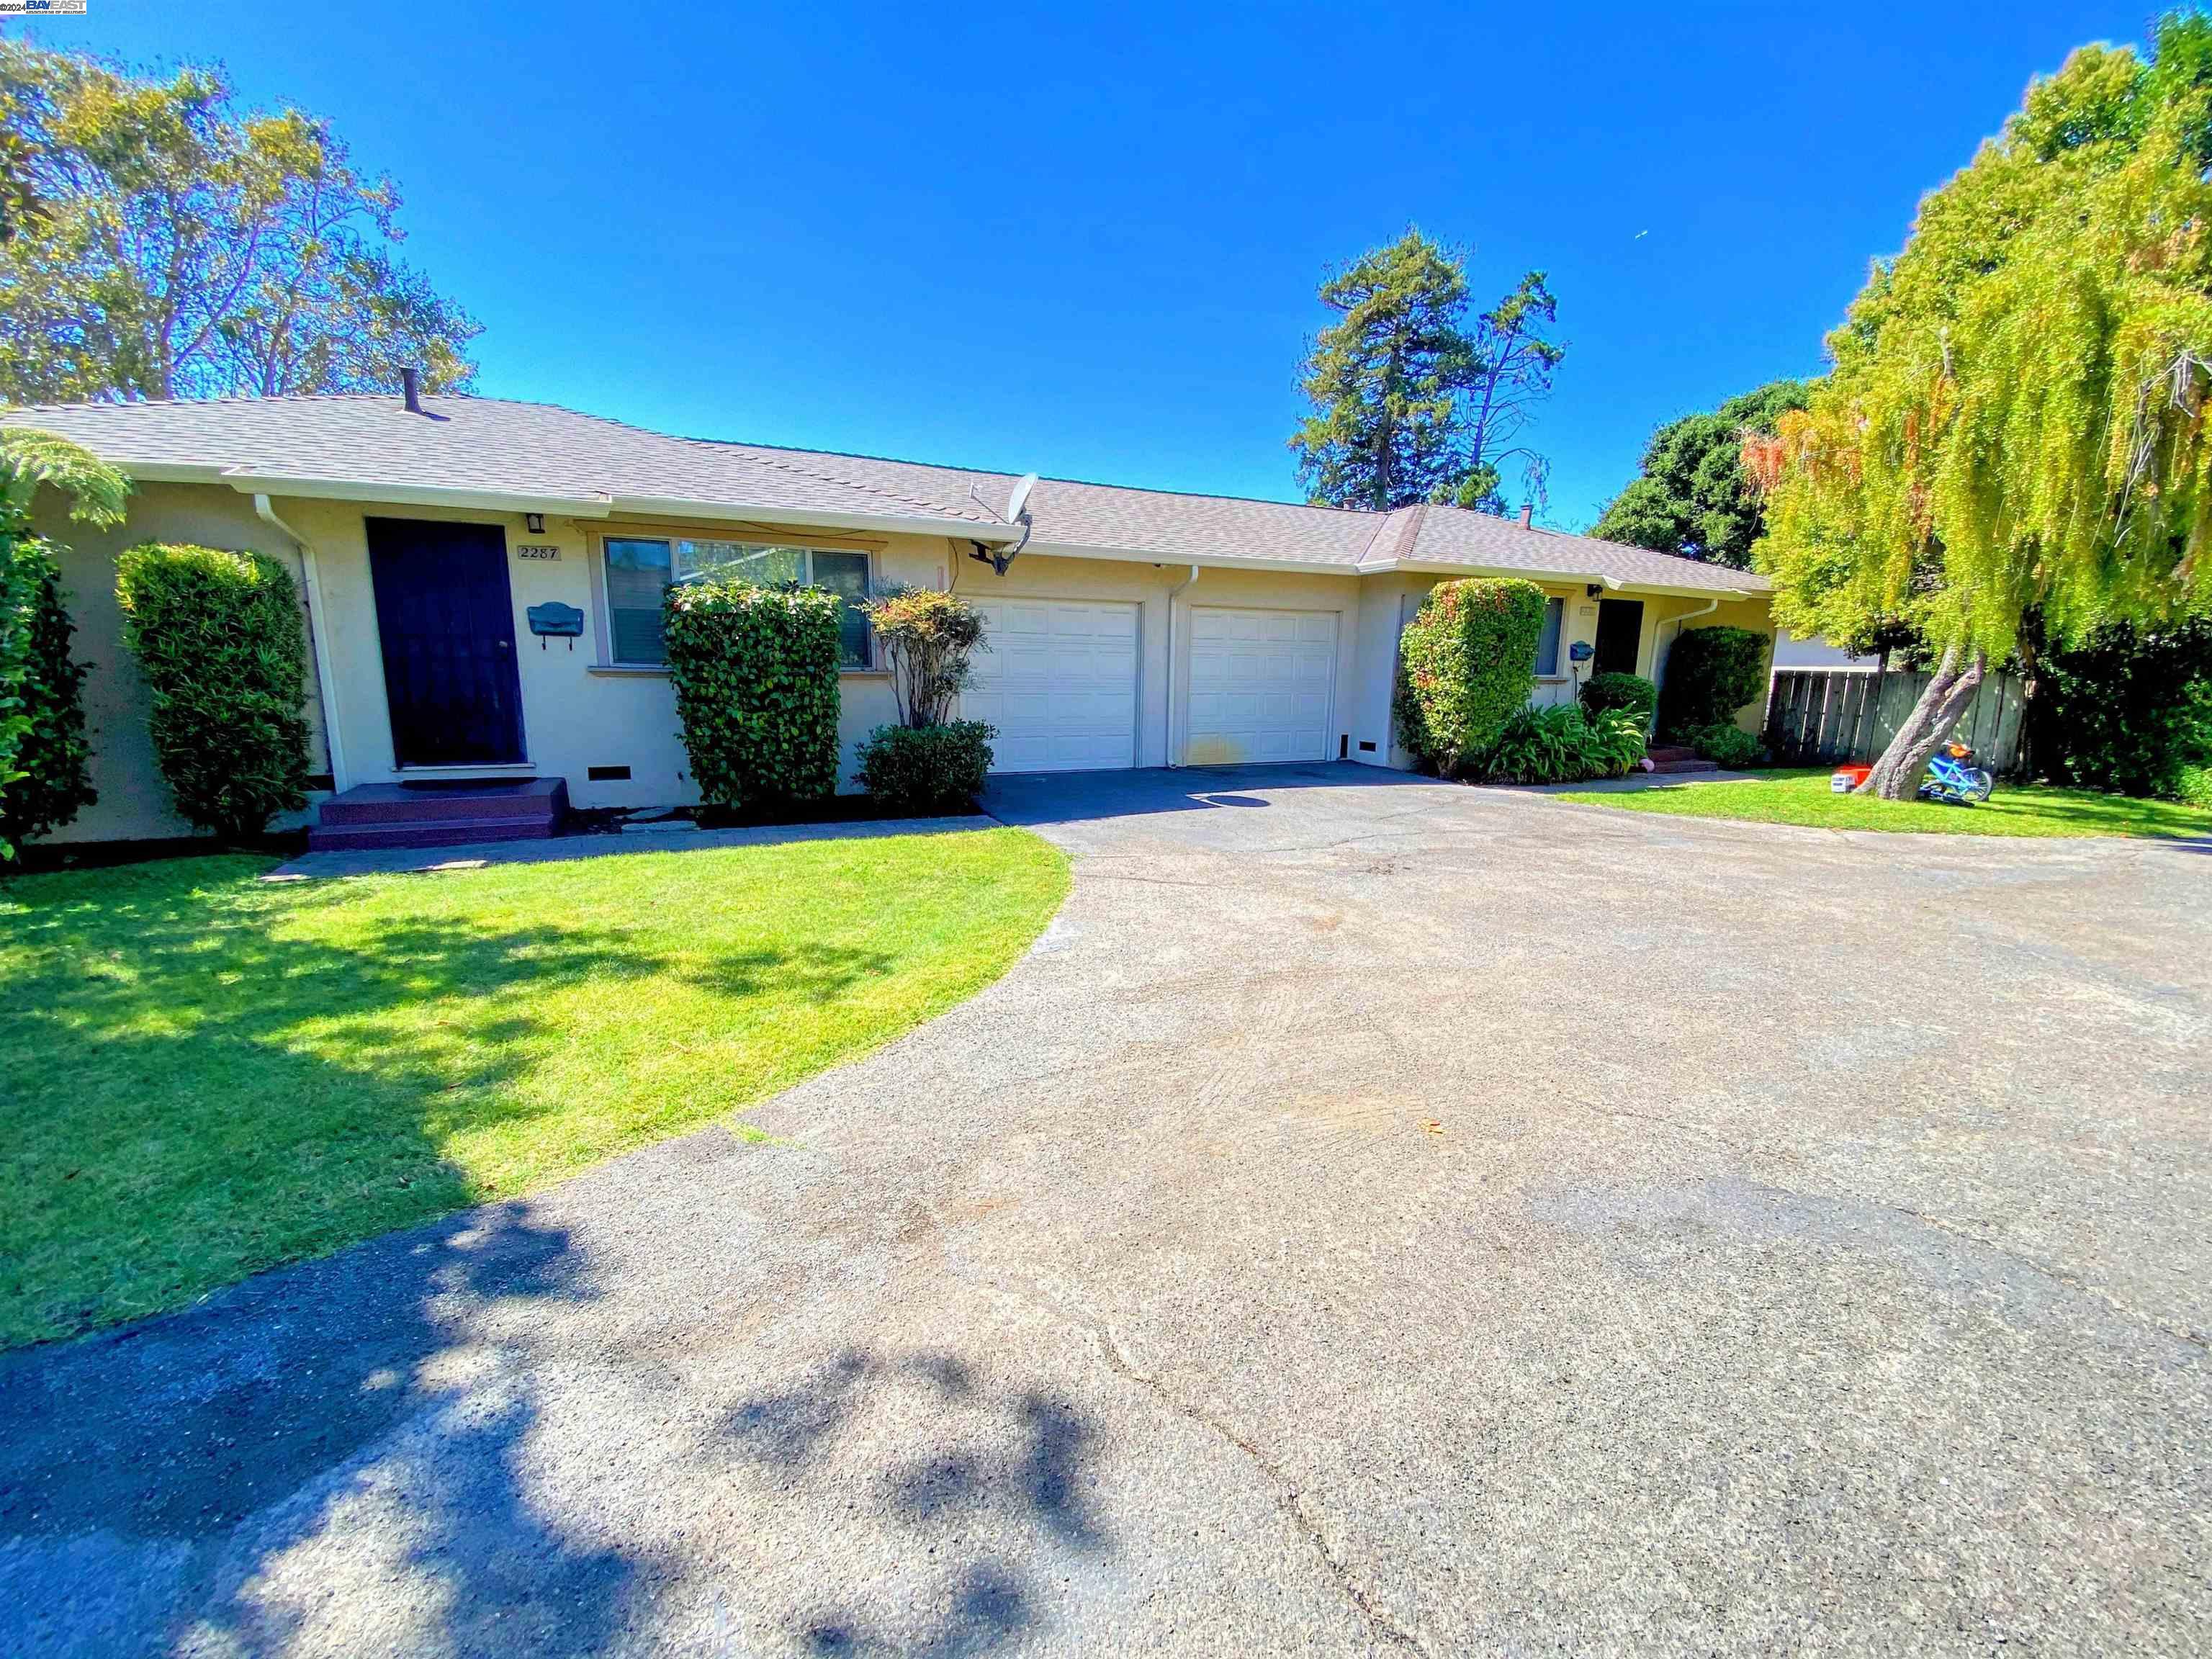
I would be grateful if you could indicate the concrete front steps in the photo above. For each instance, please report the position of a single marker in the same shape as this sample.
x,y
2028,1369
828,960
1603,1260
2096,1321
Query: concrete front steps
x,y
1681,760
373,815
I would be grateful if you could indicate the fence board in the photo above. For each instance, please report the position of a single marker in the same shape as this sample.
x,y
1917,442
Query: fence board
x,y
1826,716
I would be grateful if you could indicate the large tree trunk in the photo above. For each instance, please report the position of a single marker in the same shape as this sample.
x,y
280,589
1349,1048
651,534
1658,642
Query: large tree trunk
x,y
1896,776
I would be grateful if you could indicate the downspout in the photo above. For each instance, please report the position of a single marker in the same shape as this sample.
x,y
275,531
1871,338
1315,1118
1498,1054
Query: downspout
x,y
319,635
1172,591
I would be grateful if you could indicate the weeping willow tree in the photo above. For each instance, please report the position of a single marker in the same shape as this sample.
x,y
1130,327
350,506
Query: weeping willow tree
x,y
2016,421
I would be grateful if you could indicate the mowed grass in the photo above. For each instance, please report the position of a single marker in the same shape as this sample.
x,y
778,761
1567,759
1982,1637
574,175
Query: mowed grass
x,y
1804,798
204,1074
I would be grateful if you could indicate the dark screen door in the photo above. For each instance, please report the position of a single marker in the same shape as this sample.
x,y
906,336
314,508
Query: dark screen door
x,y
446,623
1619,629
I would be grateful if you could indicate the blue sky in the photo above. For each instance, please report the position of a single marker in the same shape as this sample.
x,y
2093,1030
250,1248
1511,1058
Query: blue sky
x,y
1085,239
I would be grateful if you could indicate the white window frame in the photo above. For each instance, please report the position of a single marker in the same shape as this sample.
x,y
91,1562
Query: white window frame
x,y
606,628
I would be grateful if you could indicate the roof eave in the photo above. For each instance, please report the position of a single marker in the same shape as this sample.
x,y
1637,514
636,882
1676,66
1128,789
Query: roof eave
x,y
1584,578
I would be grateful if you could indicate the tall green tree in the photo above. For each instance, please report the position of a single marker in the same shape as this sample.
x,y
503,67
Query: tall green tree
x,y
1411,401
2016,421
164,242
1690,495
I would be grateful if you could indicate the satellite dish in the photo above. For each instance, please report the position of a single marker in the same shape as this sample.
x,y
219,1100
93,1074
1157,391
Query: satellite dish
x,y
1017,511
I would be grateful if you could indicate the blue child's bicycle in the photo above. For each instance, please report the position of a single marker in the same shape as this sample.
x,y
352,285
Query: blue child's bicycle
x,y
1954,780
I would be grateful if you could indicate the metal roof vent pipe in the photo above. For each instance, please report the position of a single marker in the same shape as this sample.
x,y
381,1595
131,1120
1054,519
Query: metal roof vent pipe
x,y
410,388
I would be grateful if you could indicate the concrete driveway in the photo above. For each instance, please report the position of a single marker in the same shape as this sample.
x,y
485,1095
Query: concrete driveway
x,y
1378,1215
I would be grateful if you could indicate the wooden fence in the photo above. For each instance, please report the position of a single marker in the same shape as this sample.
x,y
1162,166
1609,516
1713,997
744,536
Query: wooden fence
x,y
1826,716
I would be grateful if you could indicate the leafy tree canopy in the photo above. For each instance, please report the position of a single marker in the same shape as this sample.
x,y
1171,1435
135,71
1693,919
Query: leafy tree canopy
x,y
162,242
1690,496
1411,400
2015,420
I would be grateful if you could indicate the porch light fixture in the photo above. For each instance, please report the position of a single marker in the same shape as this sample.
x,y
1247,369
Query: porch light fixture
x,y
536,522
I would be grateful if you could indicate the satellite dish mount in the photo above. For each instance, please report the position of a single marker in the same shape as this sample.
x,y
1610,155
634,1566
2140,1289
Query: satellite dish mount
x,y
1017,511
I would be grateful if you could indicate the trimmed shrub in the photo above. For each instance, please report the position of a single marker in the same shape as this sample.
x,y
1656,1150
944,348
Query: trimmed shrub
x,y
1711,673
218,640
1632,694
1730,746
2192,786
926,768
1466,663
926,637
755,676
52,782
1561,744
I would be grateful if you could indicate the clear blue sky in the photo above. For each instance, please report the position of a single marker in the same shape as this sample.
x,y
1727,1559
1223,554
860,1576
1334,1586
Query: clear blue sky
x,y
1084,239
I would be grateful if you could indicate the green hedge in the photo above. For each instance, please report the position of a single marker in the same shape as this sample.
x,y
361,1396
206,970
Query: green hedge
x,y
1727,745
51,782
1466,663
219,645
1711,673
926,768
2125,711
1561,744
755,676
1629,693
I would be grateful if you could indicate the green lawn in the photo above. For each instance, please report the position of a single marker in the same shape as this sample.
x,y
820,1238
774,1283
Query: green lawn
x,y
202,1074
1804,797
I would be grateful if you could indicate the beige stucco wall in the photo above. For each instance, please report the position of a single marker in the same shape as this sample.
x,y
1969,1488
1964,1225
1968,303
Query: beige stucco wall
x,y
581,711
134,804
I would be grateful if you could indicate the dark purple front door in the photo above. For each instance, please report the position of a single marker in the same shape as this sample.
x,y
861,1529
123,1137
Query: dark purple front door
x,y
446,623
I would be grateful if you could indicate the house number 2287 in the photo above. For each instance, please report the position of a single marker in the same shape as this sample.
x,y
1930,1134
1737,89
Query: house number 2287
x,y
535,550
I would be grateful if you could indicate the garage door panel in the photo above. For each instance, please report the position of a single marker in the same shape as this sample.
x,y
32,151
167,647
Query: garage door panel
x,y
1059,681
1260,685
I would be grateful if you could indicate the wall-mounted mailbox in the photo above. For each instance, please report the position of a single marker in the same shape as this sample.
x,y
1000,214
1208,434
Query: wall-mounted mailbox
x,y
1581,651
556,621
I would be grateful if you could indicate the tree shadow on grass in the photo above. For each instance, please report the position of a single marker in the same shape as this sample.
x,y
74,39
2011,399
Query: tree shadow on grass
x,y
203,1076
1002,1471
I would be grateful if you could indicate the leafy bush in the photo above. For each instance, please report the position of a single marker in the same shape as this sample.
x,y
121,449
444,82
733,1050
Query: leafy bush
x,y
1730,746
2126,711
42,750
926,768
1711,673
2192,786
926,637
1561,744
219,642
1629,693
755,676
1466,663
51,782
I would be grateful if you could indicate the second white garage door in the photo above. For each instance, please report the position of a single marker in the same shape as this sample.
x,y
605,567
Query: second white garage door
x,y
1060,682
1260,684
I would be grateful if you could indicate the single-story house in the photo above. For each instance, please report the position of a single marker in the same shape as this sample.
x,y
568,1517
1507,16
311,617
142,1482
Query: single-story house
x,y
1136,628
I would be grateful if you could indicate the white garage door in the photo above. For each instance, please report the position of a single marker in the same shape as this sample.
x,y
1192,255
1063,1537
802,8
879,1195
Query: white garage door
x,y
1059,681
1259,683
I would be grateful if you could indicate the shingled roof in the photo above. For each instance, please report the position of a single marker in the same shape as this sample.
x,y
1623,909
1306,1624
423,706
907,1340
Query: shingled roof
x,y
487,451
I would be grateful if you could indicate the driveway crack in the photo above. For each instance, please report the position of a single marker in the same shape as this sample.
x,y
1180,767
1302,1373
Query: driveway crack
x,y
1291,1498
